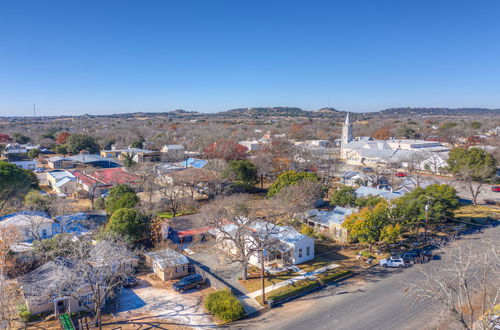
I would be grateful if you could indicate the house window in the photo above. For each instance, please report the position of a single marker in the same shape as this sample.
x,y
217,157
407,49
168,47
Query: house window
x,y
44,232
308,250
300,253
179,269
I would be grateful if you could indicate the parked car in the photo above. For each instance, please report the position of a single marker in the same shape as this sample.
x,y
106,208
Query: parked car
x,y
392,262
408,257
495,188
129,281
400,174
39,170
188,282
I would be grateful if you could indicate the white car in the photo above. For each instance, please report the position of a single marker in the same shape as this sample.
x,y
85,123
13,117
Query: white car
x,y
393,262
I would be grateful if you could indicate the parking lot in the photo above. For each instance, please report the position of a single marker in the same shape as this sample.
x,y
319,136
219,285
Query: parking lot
x,y
153,303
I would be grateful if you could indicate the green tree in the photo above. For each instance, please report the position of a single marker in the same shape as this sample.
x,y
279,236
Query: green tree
x,y
241,170
14,183
20,138
475,125
408,132
33,153
369,201
390,233
473,166
366,225
121,196
78,142
128,159
410,208
345,196
129,223
289,178
38,202
138,143
61,149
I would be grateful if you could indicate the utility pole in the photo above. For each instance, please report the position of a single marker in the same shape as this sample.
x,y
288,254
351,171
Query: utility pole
x,y
426,220
262,275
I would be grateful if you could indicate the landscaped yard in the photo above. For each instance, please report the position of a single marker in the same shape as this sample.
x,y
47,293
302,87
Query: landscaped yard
x,y
254,284
321,260
170,215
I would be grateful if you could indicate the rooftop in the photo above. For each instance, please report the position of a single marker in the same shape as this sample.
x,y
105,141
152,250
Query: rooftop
x,y
168,258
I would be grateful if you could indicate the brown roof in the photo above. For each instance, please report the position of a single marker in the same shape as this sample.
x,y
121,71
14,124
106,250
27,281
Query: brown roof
x,y
193,175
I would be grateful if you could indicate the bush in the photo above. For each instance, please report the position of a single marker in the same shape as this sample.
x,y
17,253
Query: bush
x,y
366,254
224,305
307,230
24,313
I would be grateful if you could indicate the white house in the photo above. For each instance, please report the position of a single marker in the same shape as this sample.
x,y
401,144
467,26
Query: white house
x,y
25,164
285,245
29,225
252,145
329,222
174,152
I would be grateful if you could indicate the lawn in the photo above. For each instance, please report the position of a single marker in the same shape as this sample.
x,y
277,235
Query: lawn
x,y
290,290
477,212
254,284
321,260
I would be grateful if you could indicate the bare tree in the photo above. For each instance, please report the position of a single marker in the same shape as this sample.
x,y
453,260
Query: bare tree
x,y
8,312
473,180
229,216
99,269
466,283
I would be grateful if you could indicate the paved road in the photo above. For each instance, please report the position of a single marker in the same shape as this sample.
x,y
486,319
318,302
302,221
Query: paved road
x,y
374,301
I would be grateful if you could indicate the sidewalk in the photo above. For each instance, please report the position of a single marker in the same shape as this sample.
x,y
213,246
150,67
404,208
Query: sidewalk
x,y
303,276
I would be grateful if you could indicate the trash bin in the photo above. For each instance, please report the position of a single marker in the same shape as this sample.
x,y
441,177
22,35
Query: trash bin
x,y
270,303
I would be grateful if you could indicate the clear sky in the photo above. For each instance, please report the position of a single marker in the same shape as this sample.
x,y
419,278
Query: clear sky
x,y
75,57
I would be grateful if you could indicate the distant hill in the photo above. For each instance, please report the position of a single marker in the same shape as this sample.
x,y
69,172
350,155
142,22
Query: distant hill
x,y
439,112
278,112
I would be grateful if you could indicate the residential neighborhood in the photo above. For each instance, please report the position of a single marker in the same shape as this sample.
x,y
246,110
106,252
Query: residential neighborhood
x,y
283,165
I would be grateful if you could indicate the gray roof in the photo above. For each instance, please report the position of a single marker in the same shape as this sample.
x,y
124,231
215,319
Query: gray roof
x,y
168,258
367,191
88,158
58,158
337,215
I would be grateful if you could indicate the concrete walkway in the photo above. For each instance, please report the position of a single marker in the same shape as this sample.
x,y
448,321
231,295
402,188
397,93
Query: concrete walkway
x,y
251,305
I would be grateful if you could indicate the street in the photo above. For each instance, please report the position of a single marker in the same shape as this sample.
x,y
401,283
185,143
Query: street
x,y
374,300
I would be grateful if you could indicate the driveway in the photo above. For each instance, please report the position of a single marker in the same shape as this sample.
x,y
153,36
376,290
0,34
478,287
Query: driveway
x,y
153,302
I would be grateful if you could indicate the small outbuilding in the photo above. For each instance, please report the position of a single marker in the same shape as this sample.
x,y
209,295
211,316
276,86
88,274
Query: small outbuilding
x,y
168,264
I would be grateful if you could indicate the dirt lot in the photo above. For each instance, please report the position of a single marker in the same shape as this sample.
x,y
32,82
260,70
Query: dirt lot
x,y
152,303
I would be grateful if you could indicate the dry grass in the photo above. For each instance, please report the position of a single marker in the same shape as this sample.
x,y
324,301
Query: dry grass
x,y
254,284
478,212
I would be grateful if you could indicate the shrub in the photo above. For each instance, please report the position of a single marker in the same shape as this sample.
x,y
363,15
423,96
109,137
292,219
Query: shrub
x,y
24,313
366,254
224,305
307,230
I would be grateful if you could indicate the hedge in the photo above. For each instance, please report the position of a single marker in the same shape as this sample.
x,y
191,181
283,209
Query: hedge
x,y
291,290
224,305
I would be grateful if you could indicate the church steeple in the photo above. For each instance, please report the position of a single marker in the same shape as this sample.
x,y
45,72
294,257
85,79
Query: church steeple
x,y
346,132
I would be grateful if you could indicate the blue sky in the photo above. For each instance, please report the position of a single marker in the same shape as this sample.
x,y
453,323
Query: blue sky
x,y
75,57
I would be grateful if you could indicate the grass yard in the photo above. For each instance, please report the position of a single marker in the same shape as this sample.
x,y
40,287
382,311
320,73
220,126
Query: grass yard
x,y
322,260
334,274
477,212
170,214
254,284
290,290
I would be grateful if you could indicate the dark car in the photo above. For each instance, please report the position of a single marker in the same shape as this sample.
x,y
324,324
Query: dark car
x,y
129,281
188,282
408,257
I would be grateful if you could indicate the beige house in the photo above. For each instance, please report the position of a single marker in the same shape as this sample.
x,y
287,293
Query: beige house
x,y
329,222
168,264
40,292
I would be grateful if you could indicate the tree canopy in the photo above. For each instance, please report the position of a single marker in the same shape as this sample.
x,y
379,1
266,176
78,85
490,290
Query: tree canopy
x,y
345,196
226,149
289,178
242,170
129,223
475,163
14,183
121,196
78,142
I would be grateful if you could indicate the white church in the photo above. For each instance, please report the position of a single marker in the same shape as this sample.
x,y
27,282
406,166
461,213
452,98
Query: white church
x,y
365,151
